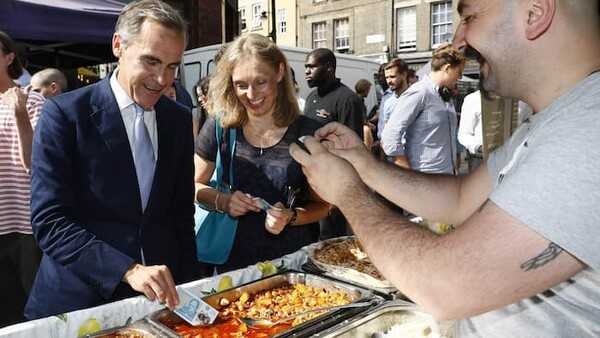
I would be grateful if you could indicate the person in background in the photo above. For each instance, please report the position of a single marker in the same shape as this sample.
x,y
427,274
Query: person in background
x,y
25,78
49,82
182,95
301,100
520,264
383,95
396,77
331,101
412,77
362,88
421,132
201,90
470,129
171,92
112,177
252,91
19,254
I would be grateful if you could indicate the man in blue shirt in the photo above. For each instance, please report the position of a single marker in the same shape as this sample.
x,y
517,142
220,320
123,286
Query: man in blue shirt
x,y
421,132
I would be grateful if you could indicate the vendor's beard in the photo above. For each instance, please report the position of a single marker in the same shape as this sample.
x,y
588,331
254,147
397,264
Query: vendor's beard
x,y
472,53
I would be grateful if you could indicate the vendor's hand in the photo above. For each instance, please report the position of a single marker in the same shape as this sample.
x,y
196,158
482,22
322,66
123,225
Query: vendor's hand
x,y
335,135
238,204
318,166
277,219
156,282
16,100
344,142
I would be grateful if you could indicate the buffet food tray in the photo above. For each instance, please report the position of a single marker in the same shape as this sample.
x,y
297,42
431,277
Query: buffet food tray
x,y
139,329
347,274
385,293
407,319
166,318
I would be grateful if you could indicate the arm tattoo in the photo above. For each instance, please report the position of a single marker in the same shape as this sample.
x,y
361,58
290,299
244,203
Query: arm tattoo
x,y
545,257
483,205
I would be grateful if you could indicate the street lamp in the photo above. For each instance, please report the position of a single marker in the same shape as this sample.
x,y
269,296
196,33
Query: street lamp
x,y
273,33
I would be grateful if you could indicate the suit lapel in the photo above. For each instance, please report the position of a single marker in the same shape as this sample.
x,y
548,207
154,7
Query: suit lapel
x,y
107,118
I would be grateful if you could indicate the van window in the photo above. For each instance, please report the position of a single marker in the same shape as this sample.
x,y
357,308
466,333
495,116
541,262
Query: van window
x,y
192,75
210,67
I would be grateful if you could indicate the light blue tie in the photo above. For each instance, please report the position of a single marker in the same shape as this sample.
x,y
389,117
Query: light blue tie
x,y
143,155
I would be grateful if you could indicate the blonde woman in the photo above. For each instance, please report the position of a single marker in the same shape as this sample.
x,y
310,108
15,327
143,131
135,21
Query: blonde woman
x,y
252,91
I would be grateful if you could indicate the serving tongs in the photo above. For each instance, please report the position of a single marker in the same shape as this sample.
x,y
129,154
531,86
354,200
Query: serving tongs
x,y
265,323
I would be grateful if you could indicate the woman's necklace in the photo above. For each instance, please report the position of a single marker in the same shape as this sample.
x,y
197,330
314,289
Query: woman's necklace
x,y
262,138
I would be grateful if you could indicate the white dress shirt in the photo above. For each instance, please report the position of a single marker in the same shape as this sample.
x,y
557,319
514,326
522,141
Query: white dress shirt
x,y
470,128
127,108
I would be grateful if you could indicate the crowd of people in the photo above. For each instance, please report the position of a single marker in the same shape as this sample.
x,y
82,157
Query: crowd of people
x,y
98,184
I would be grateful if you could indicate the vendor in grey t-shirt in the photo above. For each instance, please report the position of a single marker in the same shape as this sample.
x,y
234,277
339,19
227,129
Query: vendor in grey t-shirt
x,y
524,259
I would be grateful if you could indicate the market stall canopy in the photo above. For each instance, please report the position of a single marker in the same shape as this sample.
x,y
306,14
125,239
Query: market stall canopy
x,y
62,33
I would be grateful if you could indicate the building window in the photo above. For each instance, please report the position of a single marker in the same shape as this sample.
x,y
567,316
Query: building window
x,y
341,34
441,23
407,28
319,34
282,24
242,13
256,16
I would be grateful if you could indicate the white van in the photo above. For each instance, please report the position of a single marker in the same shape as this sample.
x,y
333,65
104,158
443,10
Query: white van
x,y
198,63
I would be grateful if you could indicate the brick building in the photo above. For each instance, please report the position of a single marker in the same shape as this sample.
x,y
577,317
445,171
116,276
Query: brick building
x,y
376,29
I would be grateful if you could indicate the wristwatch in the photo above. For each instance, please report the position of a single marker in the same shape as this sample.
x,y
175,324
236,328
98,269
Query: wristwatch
x,y
294,216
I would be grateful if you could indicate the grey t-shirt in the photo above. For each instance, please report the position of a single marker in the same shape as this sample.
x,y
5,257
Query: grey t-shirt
x,y
548,176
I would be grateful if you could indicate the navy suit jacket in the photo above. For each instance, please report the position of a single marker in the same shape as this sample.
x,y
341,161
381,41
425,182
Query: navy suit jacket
x,y
86,206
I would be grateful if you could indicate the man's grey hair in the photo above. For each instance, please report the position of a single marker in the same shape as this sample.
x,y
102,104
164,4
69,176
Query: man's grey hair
x,y
135,13
49,75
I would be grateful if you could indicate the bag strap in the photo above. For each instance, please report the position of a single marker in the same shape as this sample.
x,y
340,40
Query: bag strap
x,y
218,163
232,141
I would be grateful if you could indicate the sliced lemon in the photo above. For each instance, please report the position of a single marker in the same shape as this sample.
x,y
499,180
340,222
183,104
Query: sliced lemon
x,y
225,283
88,326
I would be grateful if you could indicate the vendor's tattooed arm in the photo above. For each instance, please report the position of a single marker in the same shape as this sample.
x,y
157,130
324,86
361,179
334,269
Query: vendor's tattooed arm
x,y
483,205
545,257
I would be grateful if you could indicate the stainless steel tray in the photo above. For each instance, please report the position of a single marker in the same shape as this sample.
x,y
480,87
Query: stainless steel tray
x,y
142,329
381,318
345,273
386,293
305,329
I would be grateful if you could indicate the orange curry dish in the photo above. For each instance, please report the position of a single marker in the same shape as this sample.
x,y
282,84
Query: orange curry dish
x,y
273,304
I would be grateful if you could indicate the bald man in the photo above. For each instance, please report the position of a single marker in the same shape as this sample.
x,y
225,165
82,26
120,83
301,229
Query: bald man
x,y
49,82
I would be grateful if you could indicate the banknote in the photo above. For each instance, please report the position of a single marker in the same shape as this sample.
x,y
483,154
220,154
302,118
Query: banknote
x,y
264,205
193,309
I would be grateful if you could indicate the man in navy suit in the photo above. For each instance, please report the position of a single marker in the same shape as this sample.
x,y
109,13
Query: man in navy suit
x,y
102,239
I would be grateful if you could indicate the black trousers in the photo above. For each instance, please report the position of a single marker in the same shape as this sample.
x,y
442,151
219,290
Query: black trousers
x,y
19,261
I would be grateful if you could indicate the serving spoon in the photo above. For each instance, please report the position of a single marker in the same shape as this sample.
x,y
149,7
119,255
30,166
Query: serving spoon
x,y
261,322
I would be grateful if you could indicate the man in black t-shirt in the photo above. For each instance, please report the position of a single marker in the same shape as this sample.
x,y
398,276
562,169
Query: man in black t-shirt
x,y
331,101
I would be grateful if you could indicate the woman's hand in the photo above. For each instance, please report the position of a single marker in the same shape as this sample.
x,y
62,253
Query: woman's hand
x,y
277,219
238,204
